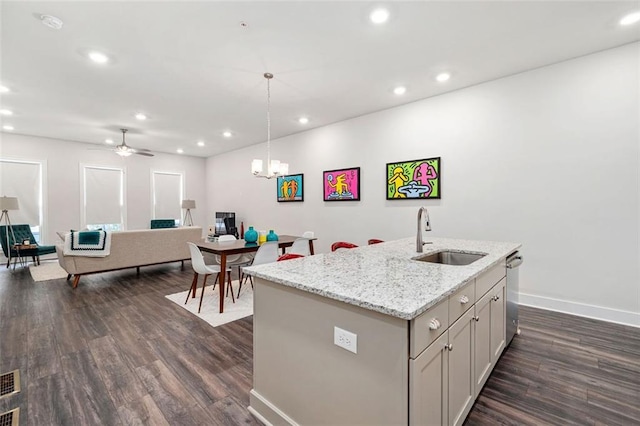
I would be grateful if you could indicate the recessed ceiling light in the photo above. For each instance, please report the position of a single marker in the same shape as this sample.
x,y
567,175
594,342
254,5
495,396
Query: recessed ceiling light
x,y
379,16
99,58
4,89
303,120
109,141
179,150
6,112
442,77
8,127
200,143
51,21
630,19
400,90
141,116
226,134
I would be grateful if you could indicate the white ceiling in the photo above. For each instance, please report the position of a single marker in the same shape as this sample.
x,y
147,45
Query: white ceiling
x,y
196,72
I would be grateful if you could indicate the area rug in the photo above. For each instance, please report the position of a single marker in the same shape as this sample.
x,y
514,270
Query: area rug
x,y
48,271
210,304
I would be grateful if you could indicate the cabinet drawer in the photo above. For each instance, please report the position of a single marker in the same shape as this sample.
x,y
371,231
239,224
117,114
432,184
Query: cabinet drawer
x,y
461,301
488,279
428,327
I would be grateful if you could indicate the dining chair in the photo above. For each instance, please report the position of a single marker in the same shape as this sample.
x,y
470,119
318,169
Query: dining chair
x,y
200,268
308,234
233,260
374,241
289,256
267,253
300,246
342,245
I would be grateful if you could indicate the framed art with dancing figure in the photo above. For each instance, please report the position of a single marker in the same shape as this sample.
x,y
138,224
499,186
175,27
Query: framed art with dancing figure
x,y
290,188
341,184
416,179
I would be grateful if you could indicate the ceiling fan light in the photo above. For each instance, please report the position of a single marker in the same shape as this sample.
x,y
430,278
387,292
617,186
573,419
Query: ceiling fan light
x,y
122,153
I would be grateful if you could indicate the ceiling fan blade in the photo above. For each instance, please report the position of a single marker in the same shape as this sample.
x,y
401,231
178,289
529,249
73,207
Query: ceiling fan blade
x,y
146,154
140,149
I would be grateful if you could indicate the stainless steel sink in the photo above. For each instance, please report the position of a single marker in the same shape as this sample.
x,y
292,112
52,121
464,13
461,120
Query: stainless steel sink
x,y
450,257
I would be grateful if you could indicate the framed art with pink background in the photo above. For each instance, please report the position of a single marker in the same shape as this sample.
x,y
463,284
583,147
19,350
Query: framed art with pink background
x,y
341,184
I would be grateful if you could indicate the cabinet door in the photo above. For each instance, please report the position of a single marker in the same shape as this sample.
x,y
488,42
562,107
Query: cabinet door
x,y
482,334
428,383
461,364
498,320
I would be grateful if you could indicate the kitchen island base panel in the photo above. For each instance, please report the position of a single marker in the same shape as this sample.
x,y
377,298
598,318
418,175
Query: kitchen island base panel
x,y
294,337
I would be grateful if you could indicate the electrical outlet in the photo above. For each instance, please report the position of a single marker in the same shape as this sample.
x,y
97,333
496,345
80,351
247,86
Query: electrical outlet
x,y
345,339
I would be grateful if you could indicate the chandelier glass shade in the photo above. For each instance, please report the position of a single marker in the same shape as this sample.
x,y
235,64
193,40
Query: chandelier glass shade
x,y
274,167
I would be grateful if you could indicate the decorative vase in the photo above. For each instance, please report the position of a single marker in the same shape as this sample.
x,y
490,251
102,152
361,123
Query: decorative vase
x,y
242,230
272,236
251,236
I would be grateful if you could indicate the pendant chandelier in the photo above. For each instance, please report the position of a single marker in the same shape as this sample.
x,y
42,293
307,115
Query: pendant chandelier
x,y
274,167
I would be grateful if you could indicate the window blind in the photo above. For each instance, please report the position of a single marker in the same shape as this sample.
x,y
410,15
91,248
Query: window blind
x,y
24,181
103,195
167,195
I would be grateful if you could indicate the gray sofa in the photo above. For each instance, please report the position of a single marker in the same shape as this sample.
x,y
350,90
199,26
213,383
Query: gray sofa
x,y
133,249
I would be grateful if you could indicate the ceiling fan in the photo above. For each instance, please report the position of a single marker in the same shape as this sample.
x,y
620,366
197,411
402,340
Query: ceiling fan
x,y
125,150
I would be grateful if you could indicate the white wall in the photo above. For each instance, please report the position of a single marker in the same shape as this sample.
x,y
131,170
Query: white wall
x,y
548,157
62,179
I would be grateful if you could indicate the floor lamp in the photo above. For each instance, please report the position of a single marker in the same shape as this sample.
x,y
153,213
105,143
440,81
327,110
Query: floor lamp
x,y
6,204
188,205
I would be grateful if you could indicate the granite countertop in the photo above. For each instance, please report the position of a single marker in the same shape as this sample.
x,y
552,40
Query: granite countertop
x,y
383,277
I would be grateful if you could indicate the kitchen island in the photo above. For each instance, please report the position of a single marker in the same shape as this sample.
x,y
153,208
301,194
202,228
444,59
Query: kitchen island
x,y
373,336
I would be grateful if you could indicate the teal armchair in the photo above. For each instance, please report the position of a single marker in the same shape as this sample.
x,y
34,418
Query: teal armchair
x,y
163,223
22,232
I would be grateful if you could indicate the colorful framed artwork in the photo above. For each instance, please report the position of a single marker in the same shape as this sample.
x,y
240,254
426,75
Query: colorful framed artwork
x,y
290,188
341,184
419,179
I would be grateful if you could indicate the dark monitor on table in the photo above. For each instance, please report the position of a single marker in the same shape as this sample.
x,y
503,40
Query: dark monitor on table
x,y
226,223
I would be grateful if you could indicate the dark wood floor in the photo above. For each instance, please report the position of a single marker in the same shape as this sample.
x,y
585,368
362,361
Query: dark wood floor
x,y
115,351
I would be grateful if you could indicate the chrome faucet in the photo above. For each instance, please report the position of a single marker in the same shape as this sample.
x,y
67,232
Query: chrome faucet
x,y
427,227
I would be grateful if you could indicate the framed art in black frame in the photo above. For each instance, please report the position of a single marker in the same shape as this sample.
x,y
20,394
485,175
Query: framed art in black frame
x,y
415,179
290,188
341,184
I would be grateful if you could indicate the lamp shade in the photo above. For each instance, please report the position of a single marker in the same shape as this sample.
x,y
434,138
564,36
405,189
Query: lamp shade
x,y
9,203
188,204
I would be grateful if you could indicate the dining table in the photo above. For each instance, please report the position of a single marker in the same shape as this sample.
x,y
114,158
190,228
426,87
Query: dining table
x,y
226,248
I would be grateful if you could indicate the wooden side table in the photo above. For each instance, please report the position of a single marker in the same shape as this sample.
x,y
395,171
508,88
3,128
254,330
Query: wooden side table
x,y
23,252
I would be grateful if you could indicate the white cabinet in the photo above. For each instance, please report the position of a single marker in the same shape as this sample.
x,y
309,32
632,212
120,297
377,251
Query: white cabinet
x,y
498,319
447,376
483,349
461,360
428,385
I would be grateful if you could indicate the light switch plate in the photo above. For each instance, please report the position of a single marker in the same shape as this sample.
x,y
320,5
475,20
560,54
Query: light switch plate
x,y
345,339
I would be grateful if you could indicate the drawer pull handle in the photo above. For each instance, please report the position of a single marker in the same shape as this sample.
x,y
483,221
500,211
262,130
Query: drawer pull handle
x,y
495,298
434,324
476,318
449,347
464,300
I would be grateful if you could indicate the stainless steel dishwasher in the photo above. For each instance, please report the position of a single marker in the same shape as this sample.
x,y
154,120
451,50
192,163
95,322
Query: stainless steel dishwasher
x,y
513,262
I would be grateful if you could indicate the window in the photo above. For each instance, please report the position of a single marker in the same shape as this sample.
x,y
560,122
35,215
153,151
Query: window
x,y
167,195
103,198
23,179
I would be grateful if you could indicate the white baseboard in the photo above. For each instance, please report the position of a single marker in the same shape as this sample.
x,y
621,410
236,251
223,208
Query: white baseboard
x,y
581,309
267,413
